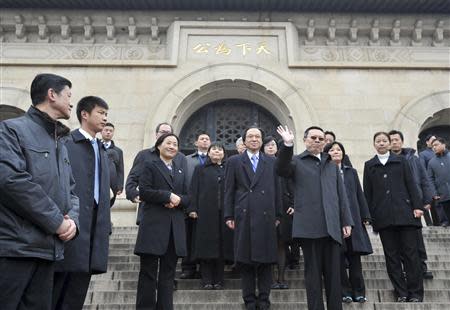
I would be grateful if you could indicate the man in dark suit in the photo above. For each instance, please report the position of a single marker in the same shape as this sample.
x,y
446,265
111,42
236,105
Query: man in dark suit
x,y
321,216
87,254
424,189
252,208
131,186
188,266
115,156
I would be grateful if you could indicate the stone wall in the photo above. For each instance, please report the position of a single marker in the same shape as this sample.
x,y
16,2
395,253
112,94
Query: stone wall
x,y
352,74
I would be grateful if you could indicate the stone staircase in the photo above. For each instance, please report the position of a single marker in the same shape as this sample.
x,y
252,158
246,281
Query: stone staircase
x,y
117,289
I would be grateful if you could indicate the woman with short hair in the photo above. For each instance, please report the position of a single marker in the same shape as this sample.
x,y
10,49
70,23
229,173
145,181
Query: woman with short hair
x,y
395,208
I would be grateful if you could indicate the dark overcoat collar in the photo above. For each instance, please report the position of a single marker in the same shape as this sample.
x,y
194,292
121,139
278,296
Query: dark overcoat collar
x,y
162,168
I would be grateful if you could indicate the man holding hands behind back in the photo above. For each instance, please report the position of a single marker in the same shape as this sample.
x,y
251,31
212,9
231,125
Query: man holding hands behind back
x,y
322,215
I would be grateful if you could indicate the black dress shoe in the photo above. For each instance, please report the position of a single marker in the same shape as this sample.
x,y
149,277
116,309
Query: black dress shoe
x,y
402,299
208,287
414,299
187,275
347,299
218,286
428,275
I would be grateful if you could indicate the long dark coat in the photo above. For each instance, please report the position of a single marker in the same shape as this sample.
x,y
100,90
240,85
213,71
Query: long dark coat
x,y
157,223
359,211
211,237
79,257
321,204
391,193
439,171
285,227
253,201
116,175
131,186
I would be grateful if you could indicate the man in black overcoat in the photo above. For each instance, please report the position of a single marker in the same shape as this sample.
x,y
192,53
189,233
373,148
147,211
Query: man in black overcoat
x,y
131,186
322,215
188,264
251,208
115,155
87,254
424,189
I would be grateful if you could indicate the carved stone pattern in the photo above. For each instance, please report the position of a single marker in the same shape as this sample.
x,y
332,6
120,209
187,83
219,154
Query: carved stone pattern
x,y
356,54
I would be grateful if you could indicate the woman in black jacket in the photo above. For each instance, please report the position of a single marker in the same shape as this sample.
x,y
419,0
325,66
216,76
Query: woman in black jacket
x,y
395,207
212,241
161,237
353,287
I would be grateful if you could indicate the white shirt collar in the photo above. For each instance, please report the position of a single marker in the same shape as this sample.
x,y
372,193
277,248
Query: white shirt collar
x,y
383,158
107,144
250,154
86,134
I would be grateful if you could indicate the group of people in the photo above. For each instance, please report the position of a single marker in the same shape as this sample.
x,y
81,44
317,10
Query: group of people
x,y
56,189
255,208
252,210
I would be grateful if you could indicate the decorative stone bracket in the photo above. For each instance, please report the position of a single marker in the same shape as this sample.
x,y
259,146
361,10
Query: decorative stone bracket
x,y
219,41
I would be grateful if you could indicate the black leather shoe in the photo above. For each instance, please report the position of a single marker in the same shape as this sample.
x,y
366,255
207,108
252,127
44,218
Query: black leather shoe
x,y
360,299
218,286
402,299
414,299
428,275
347,299
208,287
187,275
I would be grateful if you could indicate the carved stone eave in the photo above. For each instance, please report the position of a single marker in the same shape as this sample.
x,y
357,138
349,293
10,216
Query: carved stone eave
x,y
291,53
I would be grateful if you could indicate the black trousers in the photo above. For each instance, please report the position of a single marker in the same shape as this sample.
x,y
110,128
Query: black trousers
x,y
398,242
212,271
321,257
70,290
353,282
188,265
155,285
250,275
446,208
26,283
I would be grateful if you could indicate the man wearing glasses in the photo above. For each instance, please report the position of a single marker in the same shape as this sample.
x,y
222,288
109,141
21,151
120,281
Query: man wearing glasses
x,y
322,215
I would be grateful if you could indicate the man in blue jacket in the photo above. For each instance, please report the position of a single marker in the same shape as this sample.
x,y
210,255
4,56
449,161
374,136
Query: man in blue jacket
x,y
38,209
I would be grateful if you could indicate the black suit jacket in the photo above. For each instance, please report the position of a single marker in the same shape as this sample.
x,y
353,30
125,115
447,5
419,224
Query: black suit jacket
x,y
78,257
156,184
132,183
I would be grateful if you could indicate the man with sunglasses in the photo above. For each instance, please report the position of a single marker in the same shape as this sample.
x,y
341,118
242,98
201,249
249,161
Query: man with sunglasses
x,y
322,215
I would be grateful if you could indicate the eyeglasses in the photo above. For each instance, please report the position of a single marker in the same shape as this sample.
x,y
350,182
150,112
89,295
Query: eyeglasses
x,y
317,138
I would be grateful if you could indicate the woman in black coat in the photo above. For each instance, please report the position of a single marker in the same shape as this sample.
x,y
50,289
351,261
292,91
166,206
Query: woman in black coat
x,y
353,287
284,229
395,208
212,241
161,237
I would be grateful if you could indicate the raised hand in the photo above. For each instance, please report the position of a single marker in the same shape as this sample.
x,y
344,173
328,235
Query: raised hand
x,y
286,134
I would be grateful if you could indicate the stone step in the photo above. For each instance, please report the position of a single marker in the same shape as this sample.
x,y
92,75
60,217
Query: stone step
x,y
290,274
227,296
127,258
235,284
282,306
365,265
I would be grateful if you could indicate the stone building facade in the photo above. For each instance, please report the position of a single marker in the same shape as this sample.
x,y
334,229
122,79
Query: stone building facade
x,y
352,73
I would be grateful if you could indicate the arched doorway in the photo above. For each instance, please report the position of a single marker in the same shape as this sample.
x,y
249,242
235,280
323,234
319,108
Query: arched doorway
x,y
225,120
438,125
7,112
